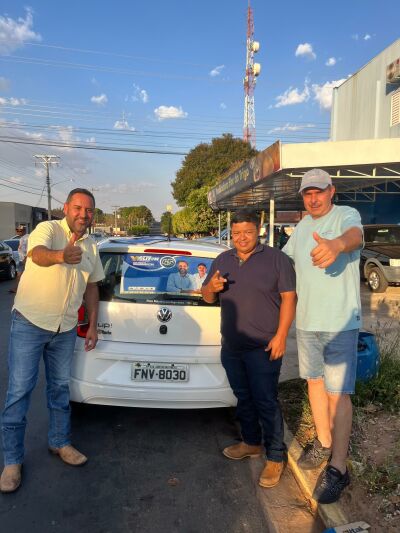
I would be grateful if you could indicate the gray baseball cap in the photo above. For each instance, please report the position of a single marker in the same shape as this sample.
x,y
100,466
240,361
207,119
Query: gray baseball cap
x,y
317,178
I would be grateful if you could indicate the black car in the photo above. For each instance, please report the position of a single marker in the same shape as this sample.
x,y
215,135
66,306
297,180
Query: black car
x,y
380,258
8,267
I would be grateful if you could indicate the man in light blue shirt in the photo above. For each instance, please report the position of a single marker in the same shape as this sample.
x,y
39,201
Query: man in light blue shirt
x,y
325,247
180,281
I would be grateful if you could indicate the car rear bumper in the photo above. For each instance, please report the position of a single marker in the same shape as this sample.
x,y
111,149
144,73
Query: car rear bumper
x,y
392,274
104,376
158,398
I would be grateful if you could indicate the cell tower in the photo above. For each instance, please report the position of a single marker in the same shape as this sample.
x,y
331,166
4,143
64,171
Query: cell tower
x,y
249,82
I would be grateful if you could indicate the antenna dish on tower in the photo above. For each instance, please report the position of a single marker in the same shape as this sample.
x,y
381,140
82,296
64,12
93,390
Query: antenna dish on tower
x,y
252,71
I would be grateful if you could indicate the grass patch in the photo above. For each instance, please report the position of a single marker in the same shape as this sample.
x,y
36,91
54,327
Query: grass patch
x,y
384,388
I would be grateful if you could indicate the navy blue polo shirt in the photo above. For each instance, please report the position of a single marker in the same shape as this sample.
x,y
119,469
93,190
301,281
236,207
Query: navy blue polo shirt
x,y
250,301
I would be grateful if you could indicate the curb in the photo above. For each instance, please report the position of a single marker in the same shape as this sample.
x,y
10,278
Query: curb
x,y
332,515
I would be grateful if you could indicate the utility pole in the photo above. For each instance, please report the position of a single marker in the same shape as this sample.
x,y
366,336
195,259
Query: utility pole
x,y
46,161
115,207
93,190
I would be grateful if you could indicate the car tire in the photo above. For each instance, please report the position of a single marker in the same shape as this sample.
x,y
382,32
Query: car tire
x,y
376,280
12,271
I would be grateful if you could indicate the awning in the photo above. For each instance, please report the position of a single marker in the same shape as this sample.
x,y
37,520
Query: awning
x,y
359,169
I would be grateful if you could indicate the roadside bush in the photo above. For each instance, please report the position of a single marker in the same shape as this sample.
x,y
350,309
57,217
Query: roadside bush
x,y
138,230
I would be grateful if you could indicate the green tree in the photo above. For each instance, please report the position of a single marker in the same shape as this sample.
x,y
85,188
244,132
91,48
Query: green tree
x,y
166,222
138,230
98,216
182,221
136,215
58,213
206,163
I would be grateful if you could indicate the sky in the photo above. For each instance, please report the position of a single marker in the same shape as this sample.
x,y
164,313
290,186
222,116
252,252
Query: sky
x,y
137,85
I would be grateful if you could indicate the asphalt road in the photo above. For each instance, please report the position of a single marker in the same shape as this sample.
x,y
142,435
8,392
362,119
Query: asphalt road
x,y
149,470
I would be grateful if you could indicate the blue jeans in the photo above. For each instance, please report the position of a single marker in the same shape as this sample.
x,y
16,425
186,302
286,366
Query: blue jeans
x,y
27,345
254,381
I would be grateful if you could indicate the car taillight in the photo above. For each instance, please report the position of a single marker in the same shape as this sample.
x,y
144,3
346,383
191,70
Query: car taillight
x,y
83,322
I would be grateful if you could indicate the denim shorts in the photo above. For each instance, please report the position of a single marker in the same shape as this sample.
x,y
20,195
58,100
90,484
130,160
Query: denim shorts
x,y
331,356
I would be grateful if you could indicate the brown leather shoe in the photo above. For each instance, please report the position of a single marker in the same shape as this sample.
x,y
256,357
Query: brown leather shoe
x,y
70,455
271,474
10,479
242,450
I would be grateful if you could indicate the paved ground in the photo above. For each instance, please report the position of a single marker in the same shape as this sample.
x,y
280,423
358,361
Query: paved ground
x,y
150,471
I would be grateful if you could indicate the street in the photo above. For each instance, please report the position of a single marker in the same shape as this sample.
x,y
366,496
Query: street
x,y
149,470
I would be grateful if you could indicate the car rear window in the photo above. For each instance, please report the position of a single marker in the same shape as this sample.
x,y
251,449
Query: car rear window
x,y
153,278
382,234
13,245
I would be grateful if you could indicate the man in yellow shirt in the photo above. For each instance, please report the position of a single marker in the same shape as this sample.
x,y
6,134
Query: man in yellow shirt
x,y
62,267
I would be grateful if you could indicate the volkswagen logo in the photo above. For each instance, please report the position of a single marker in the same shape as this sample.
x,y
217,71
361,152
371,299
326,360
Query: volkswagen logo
x,y
164,314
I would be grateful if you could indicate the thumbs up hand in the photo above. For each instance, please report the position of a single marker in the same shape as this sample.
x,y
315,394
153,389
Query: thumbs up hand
x,y
72,254
216,283
326,251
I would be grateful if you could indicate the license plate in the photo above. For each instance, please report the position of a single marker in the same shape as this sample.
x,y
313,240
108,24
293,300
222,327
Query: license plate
x,y
159,372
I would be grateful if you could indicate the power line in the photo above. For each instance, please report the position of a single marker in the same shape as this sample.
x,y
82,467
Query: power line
x,y
112,70
20,184
20,190
17,140
113,54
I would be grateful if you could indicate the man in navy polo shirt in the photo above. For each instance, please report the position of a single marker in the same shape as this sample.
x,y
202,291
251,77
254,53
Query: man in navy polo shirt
x,y
256,287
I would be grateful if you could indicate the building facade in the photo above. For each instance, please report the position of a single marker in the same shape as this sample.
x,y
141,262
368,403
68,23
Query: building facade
x,y
367,104
13,214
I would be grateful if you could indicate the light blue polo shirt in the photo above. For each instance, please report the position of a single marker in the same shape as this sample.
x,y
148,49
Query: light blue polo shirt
x,y
328,298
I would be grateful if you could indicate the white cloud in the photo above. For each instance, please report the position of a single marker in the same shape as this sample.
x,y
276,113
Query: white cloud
x,y
126,188
164,112
331,62
123,125
91,140
13,101
16,179
291,127
366,37
305,50
34,135
4,84
99,100
216,71
139,95
323,93
14,33
293,96
222,105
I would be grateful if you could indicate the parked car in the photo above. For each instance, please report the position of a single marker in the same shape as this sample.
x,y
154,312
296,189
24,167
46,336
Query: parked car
x,y
380,258
215,238
159,346
8,267
13,244
98,236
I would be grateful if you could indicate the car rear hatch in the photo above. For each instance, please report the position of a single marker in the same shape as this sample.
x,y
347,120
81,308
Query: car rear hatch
x,y
155,298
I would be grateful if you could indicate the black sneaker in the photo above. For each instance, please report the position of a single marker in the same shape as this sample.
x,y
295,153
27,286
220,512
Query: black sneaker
x,y
330,485
314,455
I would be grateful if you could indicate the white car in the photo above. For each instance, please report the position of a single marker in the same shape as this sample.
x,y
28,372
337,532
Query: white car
x,y
159,343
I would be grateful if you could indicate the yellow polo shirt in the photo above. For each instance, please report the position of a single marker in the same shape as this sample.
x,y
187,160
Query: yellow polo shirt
x,y
50,297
